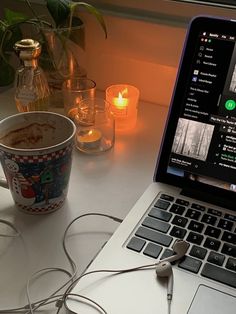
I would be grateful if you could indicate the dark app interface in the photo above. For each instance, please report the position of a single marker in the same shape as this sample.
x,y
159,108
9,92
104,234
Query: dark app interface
x,y
204,146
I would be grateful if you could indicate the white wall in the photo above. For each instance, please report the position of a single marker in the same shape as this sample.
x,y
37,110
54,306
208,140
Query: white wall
x,y
136,52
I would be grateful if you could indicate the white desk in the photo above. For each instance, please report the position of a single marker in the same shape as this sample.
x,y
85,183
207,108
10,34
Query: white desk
x,y
108,183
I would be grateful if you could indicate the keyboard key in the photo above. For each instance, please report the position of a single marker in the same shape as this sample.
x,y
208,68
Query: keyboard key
x,y
167,197
230,217
229,237
152,250
229,249
178,232
194,238
162,204
167,253
225,224
213,232
231,264
160,214
156,224
198,207
197,251
212,244
214,212
215,258
182,202
209,219
193,214
190,264
179,221
219,274
177,209
154,236
136,244
195,226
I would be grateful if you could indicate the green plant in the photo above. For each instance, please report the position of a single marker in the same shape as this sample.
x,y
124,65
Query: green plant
x,y
61,14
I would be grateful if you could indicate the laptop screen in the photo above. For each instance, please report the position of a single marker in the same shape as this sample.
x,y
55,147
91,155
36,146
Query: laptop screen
x,y
199,147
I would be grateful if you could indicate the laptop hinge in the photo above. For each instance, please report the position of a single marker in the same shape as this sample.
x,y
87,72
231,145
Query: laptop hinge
x,y
209,198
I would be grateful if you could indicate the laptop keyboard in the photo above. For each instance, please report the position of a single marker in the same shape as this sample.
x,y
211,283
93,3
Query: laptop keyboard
x,y
210,233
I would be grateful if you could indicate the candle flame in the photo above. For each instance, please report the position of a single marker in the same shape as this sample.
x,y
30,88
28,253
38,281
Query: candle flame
x,y
120,97
122,94
121,101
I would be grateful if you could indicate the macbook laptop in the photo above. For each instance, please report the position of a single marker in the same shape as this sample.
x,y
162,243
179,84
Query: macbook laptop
x,y
193,197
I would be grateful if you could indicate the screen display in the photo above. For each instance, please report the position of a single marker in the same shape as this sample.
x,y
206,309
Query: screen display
x,y
203,148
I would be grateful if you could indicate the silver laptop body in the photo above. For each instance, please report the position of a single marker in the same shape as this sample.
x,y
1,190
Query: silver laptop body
x,y
192,198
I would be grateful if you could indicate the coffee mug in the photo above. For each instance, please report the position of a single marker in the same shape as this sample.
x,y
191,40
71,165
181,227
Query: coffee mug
x,y
36,154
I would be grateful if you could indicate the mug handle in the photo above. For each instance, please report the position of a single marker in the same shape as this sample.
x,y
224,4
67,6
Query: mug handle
x,y
3,183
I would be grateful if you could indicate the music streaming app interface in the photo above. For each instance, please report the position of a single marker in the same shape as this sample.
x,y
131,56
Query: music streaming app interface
x,y
204,146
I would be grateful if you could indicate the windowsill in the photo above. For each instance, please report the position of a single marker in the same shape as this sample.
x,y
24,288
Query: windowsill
x,y
160,11
157,11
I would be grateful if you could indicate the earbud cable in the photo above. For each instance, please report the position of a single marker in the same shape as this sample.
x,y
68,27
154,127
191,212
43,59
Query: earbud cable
x,y
60,299
33,306
169,306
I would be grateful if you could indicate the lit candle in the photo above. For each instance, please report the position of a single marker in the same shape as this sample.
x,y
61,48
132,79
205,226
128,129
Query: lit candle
x,y
124,102
89,140
120,102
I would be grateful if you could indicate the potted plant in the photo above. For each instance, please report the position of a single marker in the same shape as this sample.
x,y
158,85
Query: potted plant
x,y
61,22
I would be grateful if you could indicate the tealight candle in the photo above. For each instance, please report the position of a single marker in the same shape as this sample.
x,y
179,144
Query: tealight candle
x,y
124,101
89,140
95,126
120,102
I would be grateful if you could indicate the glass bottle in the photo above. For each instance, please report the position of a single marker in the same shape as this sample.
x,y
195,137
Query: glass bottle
x,y
32,91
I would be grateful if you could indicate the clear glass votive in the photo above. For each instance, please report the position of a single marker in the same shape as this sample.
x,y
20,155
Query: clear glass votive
x,y
74,91
95,126
124,103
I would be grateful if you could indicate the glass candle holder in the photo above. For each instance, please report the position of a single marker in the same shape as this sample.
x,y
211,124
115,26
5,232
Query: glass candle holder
x,y
95,126
74,91
124,105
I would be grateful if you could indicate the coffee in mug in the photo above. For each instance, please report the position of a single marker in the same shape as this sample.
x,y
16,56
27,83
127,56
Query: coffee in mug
x,y
36,154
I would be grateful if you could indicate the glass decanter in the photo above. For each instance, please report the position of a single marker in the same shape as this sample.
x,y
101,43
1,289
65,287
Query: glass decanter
x,y
31,91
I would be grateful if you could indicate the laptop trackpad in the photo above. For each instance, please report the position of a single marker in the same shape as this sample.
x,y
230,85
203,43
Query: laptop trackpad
x,y
211,301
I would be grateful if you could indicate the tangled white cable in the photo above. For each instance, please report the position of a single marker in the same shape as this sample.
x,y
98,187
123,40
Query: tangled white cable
x,y
54,297
180,247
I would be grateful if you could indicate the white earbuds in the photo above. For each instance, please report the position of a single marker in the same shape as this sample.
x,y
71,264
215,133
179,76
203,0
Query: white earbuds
x,y
164,268
180,248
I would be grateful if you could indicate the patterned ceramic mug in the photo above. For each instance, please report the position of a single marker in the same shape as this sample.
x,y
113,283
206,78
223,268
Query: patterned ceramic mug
x,y
36,153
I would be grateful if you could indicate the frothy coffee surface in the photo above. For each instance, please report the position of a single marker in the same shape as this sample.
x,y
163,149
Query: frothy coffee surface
x,y
33,136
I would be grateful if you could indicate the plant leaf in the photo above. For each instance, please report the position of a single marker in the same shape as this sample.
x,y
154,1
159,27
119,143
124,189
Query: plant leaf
x,y
76,33
13,17
91,9
59,10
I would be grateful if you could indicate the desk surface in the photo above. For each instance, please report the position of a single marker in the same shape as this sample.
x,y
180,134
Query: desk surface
x,y
108,183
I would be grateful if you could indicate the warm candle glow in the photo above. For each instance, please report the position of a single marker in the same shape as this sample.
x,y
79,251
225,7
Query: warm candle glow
x,y
92,136
120,102
124,102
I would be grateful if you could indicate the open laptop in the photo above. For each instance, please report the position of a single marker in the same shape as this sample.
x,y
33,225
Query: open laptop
x,y
193,196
